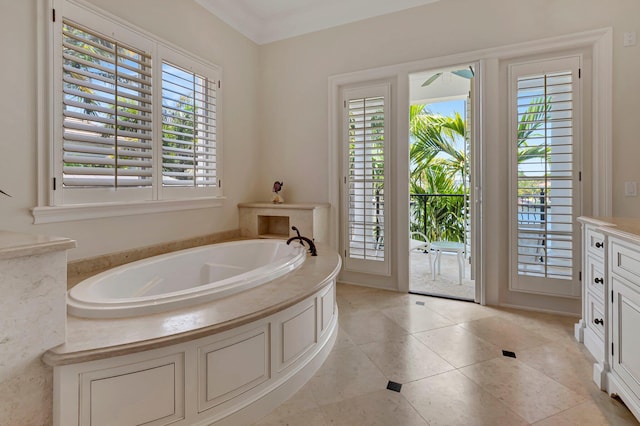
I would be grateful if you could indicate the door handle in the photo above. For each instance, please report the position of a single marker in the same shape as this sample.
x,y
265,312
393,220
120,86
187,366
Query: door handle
x,y
599,244
599,280
599,321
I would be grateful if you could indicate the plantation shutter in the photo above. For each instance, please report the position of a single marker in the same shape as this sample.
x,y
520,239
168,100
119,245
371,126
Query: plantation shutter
x,y
106,112
545,143
469,184
366,130
188,128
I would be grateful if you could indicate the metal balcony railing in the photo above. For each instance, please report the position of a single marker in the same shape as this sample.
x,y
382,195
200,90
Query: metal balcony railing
x,y
440,217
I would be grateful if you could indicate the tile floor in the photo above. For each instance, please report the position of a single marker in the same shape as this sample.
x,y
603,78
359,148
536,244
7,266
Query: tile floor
x,y
448,357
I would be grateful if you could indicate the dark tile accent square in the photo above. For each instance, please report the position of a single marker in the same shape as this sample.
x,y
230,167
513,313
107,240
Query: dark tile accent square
x,y
508,353
420,303
394,386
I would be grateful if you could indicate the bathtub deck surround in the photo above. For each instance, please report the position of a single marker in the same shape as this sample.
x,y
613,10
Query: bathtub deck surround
x,y
268,220
229,361
33,287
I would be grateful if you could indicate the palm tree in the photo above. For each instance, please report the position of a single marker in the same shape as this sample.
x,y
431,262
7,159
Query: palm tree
x,y
437,167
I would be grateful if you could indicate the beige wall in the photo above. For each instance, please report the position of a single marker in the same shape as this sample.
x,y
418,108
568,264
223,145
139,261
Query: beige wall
x,y
294,110
276,111
197,31
294,74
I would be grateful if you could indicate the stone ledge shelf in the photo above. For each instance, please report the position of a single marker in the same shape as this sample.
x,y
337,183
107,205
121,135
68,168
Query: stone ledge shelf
x,y
229,361
271,220
15,244
33,274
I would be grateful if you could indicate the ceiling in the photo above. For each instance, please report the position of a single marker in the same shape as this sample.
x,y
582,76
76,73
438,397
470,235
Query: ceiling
x,y
264,21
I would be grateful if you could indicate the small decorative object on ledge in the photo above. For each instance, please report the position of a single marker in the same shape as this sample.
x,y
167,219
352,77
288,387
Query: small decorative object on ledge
x,y
277,187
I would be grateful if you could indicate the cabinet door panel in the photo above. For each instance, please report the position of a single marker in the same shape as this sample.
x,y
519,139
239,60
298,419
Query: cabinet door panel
x,y
594,241
626,339
595,276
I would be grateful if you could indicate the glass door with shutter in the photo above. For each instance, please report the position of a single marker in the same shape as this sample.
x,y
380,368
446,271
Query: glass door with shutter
x,y
365,182
545,142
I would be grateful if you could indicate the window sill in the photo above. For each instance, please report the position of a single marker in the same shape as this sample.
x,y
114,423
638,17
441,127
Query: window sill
x,y
96,211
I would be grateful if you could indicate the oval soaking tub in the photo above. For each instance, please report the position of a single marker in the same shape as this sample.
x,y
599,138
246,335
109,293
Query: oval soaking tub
x,y
183,278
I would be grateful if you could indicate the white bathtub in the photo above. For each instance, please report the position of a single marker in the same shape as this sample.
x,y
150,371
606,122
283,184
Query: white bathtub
x,y
183,278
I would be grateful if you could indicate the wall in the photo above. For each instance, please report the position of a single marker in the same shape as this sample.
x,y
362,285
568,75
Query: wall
x,y
294,94
197,31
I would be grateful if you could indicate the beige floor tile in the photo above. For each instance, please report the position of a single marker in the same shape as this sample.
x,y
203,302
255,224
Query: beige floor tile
x,y
563,362
523,389
415,318
301,401
504,334
452,399
313,417
458,346
612,408
588,413
369,326
372,298
381,408
346,373
552,327
343,340
405,359
458,311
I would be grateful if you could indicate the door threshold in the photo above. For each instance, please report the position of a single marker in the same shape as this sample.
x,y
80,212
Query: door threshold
x,y
442,296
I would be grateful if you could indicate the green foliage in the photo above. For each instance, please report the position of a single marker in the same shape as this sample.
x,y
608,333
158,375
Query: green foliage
x,y
437,167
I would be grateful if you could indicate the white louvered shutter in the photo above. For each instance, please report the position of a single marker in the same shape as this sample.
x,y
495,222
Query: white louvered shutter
x,y
107,132
188,128
546,142
366,138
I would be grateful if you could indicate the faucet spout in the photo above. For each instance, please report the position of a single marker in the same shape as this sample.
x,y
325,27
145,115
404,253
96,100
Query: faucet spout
x,y
310,243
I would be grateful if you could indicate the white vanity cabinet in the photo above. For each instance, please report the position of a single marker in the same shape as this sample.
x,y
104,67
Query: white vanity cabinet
x,y
611,305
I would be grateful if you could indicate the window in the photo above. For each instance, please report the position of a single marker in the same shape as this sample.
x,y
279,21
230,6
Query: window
x,y
106,114
135,120
545,187
366,137
188,128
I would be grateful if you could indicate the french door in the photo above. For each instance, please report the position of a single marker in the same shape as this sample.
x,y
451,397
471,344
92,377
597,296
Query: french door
x,y
545,176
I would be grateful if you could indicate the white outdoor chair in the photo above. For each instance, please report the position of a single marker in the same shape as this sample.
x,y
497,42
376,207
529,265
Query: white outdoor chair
x,y
420,246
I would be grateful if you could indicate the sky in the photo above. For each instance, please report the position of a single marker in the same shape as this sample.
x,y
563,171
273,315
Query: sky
x,y
447,108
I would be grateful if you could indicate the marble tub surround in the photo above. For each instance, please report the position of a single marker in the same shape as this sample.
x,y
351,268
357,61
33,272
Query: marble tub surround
x,y
16,244
79,270
33,287
226,361
92,339
624,227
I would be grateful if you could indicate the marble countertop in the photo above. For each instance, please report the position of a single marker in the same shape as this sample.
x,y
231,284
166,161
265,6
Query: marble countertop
x,y
91,339
296,206
16,244
624,227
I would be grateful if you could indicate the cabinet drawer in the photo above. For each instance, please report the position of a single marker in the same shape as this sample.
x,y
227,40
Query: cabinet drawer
x,y
594,276
594,241
625,260
595,315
